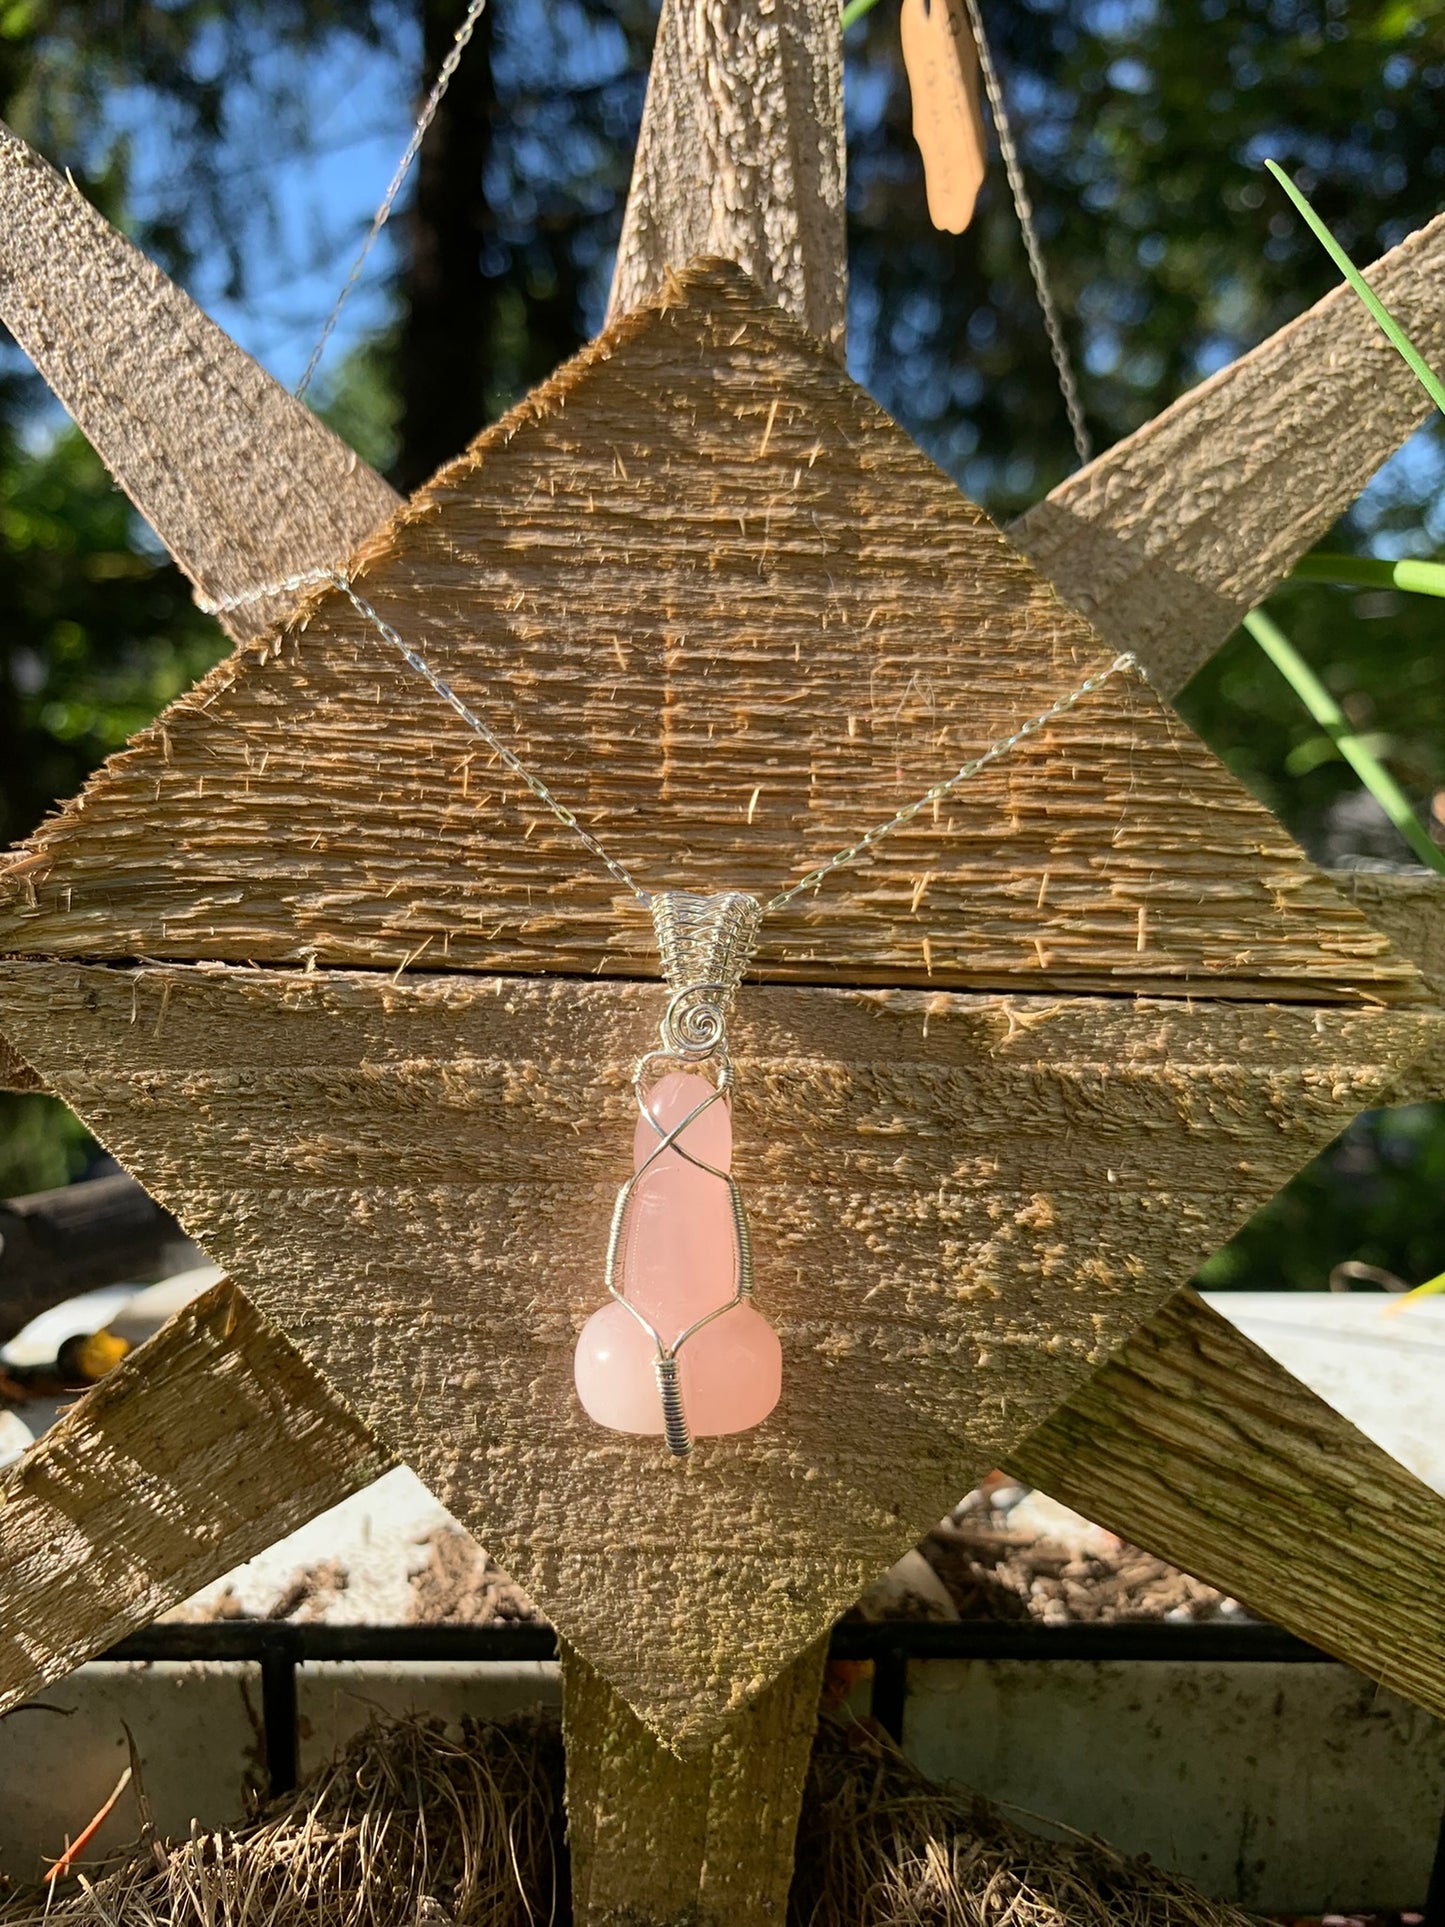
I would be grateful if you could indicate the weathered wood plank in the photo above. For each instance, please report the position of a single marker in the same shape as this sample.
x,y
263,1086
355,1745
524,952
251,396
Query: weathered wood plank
x,y
1409,906
240,481
200,1450
962,1206
1272,1496
15,1074
54,1244
685,581
741,155
708,1839
1166,541
1193,1443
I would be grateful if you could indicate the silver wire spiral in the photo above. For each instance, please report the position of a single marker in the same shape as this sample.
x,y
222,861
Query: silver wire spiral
x,y
694,1025
706,943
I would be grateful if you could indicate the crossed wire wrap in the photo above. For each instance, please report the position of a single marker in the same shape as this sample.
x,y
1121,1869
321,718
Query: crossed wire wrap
x,y
676,1431
705,944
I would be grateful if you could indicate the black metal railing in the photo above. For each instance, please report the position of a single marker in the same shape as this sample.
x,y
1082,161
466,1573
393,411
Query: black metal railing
x,y
278,1649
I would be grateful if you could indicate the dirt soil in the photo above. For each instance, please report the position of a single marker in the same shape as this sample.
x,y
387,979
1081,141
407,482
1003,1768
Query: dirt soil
x,y
1009,1554
459,1586
1004,1554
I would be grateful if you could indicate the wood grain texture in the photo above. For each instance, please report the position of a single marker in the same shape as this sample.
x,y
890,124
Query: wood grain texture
x,y
1287,1504
1166,541
15,1074
1409,906
685,580
741,155
1283,1497
962,1206
200,1450
654,1839
240,481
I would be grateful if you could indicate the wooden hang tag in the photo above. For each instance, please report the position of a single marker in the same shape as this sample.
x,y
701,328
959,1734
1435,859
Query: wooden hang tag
x,y
942,62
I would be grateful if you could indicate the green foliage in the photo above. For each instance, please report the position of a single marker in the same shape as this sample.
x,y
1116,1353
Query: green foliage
x,y
1143,126
1374,1196
1373,572
42,1145
100,631
1352,748
1379,654
1380,314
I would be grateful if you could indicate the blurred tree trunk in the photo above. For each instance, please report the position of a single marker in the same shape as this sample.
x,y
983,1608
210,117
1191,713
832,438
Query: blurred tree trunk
x,y
444,356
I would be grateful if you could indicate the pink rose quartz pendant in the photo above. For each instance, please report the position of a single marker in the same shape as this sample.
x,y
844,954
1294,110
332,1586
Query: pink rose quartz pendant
x,y
679,1262
680,1351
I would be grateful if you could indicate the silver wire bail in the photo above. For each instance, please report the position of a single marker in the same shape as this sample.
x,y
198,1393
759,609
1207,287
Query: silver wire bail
x,y
706,944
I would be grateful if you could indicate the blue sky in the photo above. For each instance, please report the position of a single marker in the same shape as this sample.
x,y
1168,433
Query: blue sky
x,y
359,106
326,173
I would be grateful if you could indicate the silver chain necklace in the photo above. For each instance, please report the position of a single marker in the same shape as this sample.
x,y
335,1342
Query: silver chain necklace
x,y
705,944
615,867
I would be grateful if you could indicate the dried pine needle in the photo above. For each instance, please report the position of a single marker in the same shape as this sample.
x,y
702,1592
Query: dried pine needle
x,y
881,1846
415,1824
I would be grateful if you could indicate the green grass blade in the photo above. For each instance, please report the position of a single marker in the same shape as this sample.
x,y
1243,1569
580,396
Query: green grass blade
x,y
855,10
1384,320
1368,572
1332,719
1429,1289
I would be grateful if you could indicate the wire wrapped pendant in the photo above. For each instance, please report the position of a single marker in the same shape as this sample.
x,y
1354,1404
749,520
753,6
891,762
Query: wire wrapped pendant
x,y
680,1350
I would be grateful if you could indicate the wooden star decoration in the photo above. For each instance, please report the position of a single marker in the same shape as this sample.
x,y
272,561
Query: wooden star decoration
x,y
998,1090
1164,542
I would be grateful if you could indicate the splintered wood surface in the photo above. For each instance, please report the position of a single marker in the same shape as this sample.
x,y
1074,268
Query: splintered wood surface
x,y
735,617
238,478
962,1205
1168,539
188,1459
1409,906
741,155
1289,1508
15,1073
707,1840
